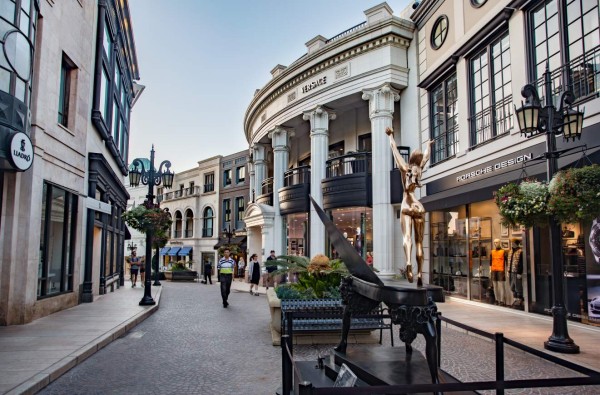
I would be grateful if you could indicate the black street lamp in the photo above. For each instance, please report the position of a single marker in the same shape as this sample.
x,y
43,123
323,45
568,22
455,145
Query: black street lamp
x,y
131,247
228,234
533,120
150,177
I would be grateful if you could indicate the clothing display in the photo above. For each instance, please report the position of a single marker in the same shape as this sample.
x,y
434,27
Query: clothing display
x,y
515,267
498,277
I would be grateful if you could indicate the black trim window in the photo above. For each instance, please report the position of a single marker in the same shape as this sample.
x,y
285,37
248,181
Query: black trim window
x,y
226,210
566,35
207,222
227,177
439,32
209,182
240,174
57,241
491,94
113,89
67,69
444,120
240,208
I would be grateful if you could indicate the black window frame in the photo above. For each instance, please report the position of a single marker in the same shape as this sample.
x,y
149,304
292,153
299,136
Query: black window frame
x,y
450,146
67,70
494,112
209,182
67,246
227,180
239,210
443,33
226,211
207,219
239,170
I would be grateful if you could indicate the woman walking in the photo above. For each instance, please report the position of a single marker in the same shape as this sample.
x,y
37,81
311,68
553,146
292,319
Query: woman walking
x,y
254,268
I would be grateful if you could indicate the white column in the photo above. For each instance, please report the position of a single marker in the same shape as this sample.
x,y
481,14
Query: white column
x,y
280,138
260,167
319,148
251,175
381,110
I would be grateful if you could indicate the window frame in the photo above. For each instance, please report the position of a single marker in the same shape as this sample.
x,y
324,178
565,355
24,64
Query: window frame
x,y
227,179
238,170
205,222
226,211
66,82
448,153
209,186
443,33
239,211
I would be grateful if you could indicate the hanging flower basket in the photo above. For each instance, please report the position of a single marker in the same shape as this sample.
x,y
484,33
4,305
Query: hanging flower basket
x,y
575,194
524,203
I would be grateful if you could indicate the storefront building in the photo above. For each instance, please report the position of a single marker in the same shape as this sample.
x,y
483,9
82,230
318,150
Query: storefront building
x,y
193,206
472,66
61,234
318,128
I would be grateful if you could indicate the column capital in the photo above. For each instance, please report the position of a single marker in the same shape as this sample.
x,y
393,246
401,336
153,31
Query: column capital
x,y
381,100
319,118
280,136
259,152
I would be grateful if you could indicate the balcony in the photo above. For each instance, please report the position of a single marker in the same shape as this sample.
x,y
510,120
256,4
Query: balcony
x,y
348,181
192,191
293,197
581,76
209,188
266,192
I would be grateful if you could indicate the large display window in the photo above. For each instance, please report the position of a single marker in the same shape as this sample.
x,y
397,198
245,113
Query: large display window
x,y
297,234
356,224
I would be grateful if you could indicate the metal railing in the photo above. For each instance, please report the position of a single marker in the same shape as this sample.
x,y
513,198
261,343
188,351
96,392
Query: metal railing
x,y
297,175
209,188
493,121
445,145
353,163
292,375
581,76
189,233
346,32
177,234
266,186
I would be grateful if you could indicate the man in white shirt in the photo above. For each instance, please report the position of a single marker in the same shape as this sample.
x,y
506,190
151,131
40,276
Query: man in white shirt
x,y
225,270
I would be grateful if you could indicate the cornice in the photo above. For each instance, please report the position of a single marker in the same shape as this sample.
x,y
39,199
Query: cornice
x,y
294,79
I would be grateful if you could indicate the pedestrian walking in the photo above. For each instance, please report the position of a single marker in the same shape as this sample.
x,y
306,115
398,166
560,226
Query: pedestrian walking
x,y
254,272
241,266
207,272
270,278
142,271
225,268
134,267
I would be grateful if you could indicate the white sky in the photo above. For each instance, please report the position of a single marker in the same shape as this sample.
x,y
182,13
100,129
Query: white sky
x,y
202,60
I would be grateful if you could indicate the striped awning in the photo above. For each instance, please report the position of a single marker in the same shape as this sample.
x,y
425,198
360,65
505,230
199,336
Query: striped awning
x,y
173,251
185,251
164,250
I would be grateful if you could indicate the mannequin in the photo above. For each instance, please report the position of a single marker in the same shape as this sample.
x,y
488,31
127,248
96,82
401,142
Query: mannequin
x,y
515,267
497,271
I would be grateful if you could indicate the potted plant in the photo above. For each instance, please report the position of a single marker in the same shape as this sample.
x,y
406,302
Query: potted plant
x,y
575,194
523,203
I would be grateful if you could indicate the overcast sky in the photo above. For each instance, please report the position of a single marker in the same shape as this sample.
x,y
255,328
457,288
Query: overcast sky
x,y
202,60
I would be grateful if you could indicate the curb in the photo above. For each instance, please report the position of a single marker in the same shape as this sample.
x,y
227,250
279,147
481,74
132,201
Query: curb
x,y
40,380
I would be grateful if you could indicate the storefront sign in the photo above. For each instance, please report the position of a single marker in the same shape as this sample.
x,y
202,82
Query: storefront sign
x,y
98,205
314,84
21,151
495,167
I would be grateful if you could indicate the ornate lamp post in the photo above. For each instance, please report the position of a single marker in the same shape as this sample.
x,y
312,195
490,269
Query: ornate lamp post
x,y
228,234
150,177
131,247
535,119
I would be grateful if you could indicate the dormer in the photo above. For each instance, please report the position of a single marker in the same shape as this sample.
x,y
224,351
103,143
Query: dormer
x,y
378,13
315,44
278,70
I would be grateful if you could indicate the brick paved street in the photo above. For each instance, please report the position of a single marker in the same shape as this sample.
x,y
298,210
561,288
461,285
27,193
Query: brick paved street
x,y
192,345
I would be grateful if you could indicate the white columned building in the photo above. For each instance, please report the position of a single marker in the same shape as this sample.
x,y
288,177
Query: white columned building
x,y
260,167
280,139
381,111
319,147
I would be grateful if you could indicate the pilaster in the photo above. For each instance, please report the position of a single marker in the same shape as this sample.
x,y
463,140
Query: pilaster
x,y
260,166
280,139
381,110
319,119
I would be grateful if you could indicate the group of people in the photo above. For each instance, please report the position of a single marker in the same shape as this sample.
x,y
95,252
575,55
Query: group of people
x,y
136,266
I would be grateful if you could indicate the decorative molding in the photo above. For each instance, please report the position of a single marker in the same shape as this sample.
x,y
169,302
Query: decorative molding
x,y
342,72
292,97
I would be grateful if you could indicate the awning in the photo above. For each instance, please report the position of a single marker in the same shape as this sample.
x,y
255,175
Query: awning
x,y
173,251
164,250
185,251
238,241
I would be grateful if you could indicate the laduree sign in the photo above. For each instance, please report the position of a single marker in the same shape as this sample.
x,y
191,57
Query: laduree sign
x,y
20,151
98,205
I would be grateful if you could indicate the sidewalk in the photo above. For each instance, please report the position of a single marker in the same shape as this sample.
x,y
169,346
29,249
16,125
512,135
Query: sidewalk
x,y
35,354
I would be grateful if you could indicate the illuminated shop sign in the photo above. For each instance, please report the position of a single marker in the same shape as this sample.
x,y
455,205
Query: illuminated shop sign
x,y
21,151
495,167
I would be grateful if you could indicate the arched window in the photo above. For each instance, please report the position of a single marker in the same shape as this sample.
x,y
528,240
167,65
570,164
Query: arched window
x,y
207,222
178,224
189,223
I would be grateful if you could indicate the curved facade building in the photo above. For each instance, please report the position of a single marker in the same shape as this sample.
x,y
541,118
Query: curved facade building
x,y
318,127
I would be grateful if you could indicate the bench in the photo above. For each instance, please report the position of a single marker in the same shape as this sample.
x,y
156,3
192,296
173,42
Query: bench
x,y
325,315
184,275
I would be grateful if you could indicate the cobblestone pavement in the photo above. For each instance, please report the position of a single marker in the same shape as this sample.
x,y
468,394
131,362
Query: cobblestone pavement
x,y
192,345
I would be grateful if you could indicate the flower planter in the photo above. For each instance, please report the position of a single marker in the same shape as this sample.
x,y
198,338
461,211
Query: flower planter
x,y
182,275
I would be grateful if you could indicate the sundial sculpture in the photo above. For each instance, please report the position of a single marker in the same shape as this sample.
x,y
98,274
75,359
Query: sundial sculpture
x,y
412,212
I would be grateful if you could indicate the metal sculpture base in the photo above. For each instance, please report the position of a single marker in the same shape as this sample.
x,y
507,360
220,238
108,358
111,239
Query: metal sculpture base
x,y
412,308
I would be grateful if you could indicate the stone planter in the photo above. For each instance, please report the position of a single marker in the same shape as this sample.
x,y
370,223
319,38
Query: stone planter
x,y
186,275
355,337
